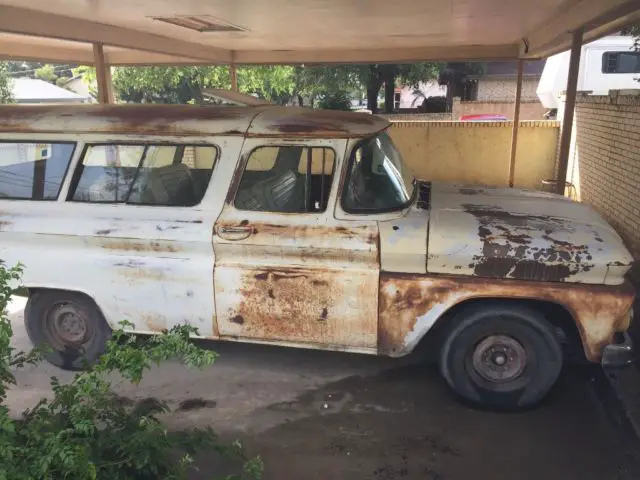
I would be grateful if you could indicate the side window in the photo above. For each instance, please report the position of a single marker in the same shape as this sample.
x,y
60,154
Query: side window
x,y
286,179
33,171
621,62
168,175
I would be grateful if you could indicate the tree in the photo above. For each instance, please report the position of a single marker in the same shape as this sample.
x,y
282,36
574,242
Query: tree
x,y
6,93
332,79
47,73
185,84
454,75
633,31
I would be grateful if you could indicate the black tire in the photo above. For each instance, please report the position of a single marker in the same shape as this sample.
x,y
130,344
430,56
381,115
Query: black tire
x,y
69,325
500,356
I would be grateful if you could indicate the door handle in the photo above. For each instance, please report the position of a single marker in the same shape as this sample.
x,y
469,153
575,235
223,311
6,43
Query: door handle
x,y
233,232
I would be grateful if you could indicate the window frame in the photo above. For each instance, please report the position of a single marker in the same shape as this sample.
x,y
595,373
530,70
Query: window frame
x,y
64,175
79,168
605,61
242,168
347,178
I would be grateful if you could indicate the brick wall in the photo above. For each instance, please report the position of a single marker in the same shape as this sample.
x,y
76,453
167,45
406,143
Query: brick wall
x,y
604,159
529,109
429,117
505,89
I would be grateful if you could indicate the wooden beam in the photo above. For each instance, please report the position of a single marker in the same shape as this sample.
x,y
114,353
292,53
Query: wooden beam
x,y
15,49
103,75
40,24
569,107
390,55
234,77
554,34
516,124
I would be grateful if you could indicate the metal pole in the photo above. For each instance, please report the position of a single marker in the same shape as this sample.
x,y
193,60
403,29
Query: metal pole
x,y
234,77
103,75
569,107
516,124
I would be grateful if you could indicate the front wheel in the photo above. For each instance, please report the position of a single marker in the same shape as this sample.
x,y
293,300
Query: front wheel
x,y
68,325
500,356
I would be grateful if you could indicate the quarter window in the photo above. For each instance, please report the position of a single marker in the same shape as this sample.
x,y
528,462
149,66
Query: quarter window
x,y
621,62
286,179
33,171
169,175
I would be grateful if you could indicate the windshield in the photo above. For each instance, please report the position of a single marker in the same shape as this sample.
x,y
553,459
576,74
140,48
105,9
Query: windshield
x,y
377,180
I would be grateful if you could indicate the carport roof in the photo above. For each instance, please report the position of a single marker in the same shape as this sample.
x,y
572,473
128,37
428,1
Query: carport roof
x,y
300,31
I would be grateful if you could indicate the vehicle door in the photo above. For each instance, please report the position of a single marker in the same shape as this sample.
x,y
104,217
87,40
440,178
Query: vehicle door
x,y
286,270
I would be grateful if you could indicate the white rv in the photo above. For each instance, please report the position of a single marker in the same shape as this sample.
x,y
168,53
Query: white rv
x,y
610,63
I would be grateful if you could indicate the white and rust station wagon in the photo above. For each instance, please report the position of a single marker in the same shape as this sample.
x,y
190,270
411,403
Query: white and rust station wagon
x,y
303,228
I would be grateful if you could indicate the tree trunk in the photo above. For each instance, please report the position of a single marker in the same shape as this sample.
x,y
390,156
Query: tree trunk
x,y
373,88
389,91
300,101
372,96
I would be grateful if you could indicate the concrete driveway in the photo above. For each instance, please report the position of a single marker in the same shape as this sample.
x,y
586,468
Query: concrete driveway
x,y
323,415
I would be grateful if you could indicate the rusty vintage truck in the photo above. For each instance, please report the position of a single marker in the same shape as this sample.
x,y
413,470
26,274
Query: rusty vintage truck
x,y
303,228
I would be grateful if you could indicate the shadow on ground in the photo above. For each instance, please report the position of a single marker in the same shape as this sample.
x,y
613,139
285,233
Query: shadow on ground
x,y
404,424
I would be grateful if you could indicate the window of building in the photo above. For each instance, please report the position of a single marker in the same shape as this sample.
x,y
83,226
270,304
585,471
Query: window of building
x,y
169,175
33,171
286,179
621,62
396,100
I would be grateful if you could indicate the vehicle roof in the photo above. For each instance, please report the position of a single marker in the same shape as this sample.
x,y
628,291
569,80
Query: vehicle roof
x,y
194,120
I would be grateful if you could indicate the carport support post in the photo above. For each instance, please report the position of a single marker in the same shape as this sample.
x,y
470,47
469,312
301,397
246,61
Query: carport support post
x,y
567,120
103,75
516,124
234,77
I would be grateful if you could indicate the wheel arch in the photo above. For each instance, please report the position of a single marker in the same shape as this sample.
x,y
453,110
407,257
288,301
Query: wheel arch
x,y
558,315
33,289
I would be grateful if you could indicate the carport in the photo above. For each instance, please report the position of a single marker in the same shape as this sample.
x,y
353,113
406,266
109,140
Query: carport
x,y
234,32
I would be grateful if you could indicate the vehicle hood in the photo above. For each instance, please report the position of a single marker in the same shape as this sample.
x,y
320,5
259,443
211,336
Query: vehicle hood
x,y
521,234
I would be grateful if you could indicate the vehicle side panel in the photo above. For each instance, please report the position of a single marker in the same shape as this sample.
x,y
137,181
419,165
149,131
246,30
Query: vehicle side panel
x,y
411,304
150,265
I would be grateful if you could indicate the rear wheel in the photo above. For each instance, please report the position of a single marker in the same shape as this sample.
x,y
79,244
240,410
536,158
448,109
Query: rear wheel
x,y
500,356
68,325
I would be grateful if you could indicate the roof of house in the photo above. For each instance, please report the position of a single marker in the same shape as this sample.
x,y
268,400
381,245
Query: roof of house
x,y
191,120
32,90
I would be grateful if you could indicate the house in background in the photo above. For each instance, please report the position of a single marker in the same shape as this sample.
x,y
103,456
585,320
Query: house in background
x,y
494,91
35,91
412,98
78,85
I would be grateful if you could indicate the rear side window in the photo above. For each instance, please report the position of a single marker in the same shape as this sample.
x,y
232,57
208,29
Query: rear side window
x,y
286,179
169,175
621,62
33,171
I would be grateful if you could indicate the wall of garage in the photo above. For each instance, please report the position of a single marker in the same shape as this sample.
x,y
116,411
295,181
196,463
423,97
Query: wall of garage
x,y
478,152
604,160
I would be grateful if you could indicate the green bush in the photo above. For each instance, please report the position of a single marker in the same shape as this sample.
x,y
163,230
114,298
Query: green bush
x,y
335,101
85,431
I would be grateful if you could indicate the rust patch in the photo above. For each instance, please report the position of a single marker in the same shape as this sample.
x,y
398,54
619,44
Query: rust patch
x,y
598,310
155,323
338,233
138,246
313,306
137,119
508,248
